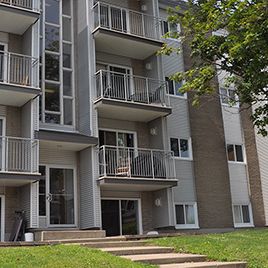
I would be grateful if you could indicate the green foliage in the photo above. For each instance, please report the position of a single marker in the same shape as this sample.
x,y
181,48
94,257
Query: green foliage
x,y
67,256
250,246
241,50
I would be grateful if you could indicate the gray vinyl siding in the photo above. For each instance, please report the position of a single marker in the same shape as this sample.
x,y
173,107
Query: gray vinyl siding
x,y
262,147
239,183
232,125
13,121
89,196
185,191
84,44
35,115
53,156
34,223
3,111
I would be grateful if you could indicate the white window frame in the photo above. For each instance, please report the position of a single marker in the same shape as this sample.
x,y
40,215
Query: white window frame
x,y
243,225
243,153
2,217
61,70
236,105
186,226
184,96
140,229
190,158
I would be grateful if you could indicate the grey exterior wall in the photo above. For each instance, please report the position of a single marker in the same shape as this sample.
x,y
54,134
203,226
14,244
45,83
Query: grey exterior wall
x,y
89,192
13,121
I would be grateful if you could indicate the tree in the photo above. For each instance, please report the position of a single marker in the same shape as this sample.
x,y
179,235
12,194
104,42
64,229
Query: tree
x,y
241,49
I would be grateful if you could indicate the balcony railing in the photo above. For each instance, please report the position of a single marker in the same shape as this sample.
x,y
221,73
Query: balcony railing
x,y
130,88
136,163
19,155
126,21
18,69
27,4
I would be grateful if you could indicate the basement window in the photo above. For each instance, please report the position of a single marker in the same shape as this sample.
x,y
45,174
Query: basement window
x,y
242,215
186,215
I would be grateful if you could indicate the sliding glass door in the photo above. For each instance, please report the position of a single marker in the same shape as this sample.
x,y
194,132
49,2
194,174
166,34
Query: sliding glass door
x,y
120,217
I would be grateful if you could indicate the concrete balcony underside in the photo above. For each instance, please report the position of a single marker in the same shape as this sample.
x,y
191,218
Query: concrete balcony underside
x,y
13,179
135,184
16,95
130,111
16,20
124,44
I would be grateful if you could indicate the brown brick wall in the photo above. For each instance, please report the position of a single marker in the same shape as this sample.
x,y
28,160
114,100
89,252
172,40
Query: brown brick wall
x,y
253,169
210,161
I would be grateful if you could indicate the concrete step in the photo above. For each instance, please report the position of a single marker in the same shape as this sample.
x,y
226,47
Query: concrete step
x,y
115,244
68,235
166,258
122,251
205,265
83,241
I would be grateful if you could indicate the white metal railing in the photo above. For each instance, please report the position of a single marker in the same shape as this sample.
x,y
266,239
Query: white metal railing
x,y
126,21
18,69
19,155
136,163
28,4
131,88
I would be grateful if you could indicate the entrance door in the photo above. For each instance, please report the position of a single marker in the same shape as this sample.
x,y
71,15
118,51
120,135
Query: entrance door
x,y
120,217
61,205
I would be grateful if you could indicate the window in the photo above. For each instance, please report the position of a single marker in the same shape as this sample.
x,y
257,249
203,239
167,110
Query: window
x,y
242,215
170,28
180,147
186,215
114,138
174,88
235,153
56,63
228,97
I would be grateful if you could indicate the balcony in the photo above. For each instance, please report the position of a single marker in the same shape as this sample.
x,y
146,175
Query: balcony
x,y
125,32
18,160
129,97
135,169
18,78
16,16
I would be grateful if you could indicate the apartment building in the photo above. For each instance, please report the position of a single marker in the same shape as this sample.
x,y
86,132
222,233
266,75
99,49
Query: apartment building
x,y
94,134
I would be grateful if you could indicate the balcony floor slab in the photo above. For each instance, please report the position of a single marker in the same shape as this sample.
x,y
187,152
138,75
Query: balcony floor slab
x,y
130,111
17,179
135,184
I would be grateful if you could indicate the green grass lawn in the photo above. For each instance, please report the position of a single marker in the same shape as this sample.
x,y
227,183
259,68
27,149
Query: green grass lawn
x,y
247,245
62,256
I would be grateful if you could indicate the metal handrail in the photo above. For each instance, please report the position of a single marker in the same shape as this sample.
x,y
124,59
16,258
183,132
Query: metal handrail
x,y
131,88
24,4
127,21
19,69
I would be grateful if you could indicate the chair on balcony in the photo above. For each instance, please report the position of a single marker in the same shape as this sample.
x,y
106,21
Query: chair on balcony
x,y
123,168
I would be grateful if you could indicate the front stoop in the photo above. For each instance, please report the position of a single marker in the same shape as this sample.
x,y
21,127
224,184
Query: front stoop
x,y
67,235
164,257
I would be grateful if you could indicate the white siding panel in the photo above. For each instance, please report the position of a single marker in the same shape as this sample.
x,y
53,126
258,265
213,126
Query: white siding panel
x,y
239,183
232,125
262,147
34,220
